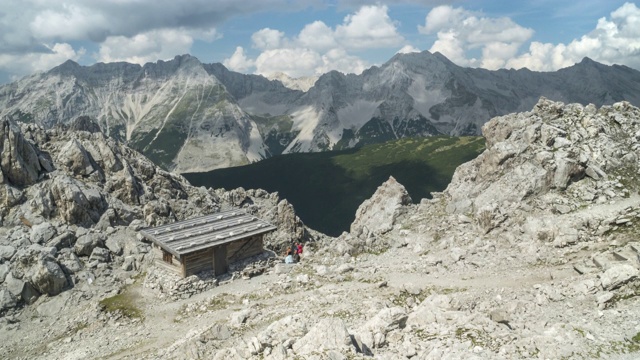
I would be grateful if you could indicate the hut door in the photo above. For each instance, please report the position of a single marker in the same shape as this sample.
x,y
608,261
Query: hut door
x,y
220,259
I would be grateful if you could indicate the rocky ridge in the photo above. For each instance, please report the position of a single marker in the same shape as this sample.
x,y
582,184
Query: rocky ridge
x,y
544,268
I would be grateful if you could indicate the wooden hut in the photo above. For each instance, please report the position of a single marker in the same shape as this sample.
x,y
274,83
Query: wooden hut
x,y
209,242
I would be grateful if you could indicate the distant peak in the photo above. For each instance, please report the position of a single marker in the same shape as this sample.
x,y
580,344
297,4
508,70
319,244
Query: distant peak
x,y
68,66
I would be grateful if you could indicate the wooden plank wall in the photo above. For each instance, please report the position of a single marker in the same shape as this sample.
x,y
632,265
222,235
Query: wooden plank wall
x,y
175,265
254,247
198,261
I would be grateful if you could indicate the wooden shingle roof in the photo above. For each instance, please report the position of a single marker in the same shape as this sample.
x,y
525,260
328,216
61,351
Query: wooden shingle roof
x,y
203,232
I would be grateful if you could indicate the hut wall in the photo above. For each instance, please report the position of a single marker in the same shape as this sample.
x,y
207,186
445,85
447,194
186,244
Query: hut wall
x,y
175,265
198,261
244,248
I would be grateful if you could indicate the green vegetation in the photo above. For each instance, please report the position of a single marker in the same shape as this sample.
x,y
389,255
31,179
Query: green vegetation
x,y
327,188
124,303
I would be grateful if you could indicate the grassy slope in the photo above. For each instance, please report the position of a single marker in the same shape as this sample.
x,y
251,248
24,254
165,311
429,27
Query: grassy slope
x,y
327,188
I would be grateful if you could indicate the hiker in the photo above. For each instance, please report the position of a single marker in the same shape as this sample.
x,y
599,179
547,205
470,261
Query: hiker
x,y
299,249
288,252
296,255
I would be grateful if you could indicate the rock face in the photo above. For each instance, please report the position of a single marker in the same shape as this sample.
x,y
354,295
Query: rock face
x,y
190,117
19,160
378,214
71,199
570,150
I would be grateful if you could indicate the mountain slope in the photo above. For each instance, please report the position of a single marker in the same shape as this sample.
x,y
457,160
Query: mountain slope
x,y
172,111
188,116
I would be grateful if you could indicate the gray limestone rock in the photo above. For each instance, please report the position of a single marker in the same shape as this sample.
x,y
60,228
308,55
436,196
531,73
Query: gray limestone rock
x,y
18,158
42,233
328,334
7,252
378,214
100,255
74,157
114,246
85,244
47,277
4,270
617,276
7,300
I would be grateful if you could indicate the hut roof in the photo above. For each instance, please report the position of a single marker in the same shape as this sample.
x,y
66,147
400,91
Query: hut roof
x,y
203,232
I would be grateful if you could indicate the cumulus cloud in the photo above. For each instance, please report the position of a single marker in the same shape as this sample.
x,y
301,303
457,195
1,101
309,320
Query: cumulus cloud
x,y
147,47
20,64
97,20
295,62
460,31
267,39
408,49
239,61
318,48
369,27
33,28
613,41
317,36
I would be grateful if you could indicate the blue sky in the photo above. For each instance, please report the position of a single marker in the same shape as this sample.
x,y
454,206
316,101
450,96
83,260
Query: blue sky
x,y
310,37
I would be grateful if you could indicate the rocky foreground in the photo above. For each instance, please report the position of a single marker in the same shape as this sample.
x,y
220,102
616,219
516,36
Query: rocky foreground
x,y
531,252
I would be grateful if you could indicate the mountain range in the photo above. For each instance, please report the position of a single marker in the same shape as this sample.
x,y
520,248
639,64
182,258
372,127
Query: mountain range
x,y
188,116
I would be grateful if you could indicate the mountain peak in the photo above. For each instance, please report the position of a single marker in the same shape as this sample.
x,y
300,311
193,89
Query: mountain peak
x,y
68,66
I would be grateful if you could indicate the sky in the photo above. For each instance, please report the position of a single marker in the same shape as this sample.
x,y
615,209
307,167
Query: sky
x,y
311,37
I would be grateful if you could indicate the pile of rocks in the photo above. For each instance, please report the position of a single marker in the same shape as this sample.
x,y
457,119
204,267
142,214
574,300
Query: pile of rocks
x,y
174,287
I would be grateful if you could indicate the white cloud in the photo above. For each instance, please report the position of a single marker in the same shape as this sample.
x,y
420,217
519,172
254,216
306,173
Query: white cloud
x,y
295,62
460,31
239,61
267,39
613,41
369,27
71,22
19,64
317,36
338,59
408,49
318,48
146,47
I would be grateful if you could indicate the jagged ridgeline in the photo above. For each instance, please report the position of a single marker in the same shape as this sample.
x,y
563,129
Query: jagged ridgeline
x,y
187,116
327,188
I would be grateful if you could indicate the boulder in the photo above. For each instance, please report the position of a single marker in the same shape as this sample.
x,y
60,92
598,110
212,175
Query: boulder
x,y
47,276
74,157
42,233
86,243
4,270
114,246
7,252
77,202
65,240
328,334
100,255
7,300
18,157
617,276
387,320
378,214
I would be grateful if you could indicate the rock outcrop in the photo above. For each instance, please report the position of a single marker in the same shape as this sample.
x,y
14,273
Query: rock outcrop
x,y
378,214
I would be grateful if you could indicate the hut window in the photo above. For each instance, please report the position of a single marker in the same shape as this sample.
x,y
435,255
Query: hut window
x,y
167,257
